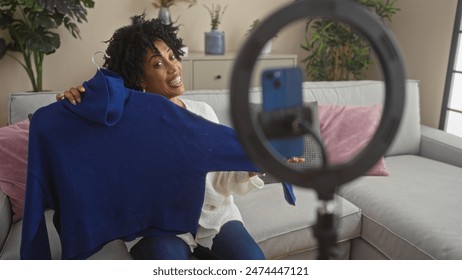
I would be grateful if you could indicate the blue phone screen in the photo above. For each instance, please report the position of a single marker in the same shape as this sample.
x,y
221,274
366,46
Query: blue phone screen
x,y
282,88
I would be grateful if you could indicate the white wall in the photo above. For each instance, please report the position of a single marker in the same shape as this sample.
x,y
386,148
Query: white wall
x,y
424,30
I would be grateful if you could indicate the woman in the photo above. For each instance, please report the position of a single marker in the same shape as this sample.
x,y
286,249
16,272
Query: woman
x,y
147,55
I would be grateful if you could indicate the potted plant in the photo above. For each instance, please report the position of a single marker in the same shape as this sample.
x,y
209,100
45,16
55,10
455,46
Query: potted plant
x,y
214,39
31,26
335,51
164,5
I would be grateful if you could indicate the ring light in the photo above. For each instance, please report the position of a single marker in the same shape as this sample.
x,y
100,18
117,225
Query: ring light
x,y
323,180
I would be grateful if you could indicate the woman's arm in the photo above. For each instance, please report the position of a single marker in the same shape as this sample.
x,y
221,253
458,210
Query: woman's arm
x,y
234,182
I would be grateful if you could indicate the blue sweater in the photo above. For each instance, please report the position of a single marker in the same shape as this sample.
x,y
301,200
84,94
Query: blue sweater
x,y
120,165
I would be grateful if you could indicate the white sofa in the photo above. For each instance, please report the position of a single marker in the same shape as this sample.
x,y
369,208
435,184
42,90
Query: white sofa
x,y
414,213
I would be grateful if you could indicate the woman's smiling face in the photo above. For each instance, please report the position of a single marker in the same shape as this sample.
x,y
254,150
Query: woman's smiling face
x,y
162,73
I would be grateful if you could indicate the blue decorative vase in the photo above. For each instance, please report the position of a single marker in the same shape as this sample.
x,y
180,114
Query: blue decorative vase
x,y
164,15
215,42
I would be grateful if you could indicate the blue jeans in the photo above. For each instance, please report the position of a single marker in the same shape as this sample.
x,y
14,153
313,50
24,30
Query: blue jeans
x,y
233,242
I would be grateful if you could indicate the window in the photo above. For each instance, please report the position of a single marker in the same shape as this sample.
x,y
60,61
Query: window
x,y
451,112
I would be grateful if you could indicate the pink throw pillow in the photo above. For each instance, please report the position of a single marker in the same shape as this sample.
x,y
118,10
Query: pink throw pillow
x,y
14,141
346,130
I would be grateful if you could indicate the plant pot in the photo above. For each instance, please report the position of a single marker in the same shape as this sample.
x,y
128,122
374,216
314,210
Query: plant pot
x,y
267,48
164,15
215,42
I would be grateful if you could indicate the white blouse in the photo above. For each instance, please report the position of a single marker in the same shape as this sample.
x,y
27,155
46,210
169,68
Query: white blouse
x,y
219,207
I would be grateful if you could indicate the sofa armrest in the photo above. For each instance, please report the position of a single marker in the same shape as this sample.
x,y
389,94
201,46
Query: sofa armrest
x,y
5,219
441,146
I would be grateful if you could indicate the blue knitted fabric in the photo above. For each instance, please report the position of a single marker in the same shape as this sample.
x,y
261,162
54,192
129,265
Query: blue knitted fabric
x,y
121,164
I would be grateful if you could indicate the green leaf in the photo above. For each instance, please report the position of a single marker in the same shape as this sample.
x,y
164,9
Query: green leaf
x,y
27,3
72,27
6,18
41,21
46,42
19,32
88,3
2,47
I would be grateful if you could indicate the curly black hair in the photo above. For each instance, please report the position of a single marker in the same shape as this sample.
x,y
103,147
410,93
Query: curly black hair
x,y
128,47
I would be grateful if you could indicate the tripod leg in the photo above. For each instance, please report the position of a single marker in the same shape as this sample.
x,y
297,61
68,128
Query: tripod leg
x,y
325,231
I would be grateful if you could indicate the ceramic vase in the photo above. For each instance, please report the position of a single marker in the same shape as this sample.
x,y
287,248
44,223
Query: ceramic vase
x,y
164,15
214,42
267,48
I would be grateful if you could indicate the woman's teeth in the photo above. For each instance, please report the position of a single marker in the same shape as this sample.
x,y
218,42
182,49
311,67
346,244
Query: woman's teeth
x,y
175,82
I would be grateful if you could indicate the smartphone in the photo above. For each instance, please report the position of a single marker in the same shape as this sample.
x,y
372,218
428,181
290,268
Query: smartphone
x,y
282,89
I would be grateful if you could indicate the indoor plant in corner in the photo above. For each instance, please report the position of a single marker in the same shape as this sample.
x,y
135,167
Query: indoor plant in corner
x,y
31,26
335,51
214,39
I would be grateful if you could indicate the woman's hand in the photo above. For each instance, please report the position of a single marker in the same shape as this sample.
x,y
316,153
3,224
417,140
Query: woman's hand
x,y
74,95
296,160
290,160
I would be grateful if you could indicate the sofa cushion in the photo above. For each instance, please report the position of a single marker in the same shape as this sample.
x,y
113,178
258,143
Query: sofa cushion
x,y
113,250
13,152
415,212
281,229
367,92
13,243
5,218
407,140
217,99
441,146
347,129
20,105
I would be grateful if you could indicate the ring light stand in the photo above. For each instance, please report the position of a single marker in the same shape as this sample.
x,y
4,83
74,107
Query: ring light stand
x,y
327,179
